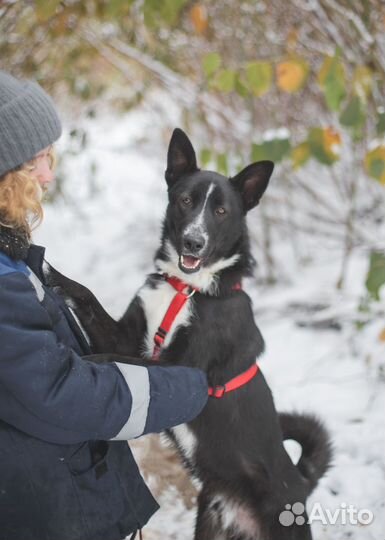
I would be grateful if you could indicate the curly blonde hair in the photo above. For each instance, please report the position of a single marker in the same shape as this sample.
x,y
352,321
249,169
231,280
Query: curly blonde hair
x,y
20,198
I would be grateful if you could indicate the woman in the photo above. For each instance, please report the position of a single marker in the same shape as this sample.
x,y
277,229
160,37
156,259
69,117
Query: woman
x,y
66,472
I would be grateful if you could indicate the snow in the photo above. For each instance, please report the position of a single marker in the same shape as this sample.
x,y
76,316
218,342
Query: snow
x,y
104,234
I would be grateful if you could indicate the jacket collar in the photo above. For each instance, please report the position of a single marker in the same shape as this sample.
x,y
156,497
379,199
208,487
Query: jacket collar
x,y
14,242
13,248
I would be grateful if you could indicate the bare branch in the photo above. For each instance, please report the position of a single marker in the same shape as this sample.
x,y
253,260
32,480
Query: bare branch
x,y
355,19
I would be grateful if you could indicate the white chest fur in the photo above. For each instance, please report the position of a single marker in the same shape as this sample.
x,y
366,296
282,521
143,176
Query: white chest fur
x,y
186,442
155,303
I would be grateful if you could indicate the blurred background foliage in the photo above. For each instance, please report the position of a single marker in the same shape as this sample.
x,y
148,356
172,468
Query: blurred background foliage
x,y
300,82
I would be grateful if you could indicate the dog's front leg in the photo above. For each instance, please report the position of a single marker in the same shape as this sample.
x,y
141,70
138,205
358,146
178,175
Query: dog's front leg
x,y
101,329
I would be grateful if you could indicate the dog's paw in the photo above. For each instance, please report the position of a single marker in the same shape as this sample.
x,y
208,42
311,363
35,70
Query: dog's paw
x,y
70,290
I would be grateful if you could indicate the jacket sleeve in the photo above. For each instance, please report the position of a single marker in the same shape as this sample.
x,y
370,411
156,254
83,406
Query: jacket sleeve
x,y
50,392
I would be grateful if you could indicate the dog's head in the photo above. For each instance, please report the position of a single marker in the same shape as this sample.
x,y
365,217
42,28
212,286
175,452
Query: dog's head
x,y
205,216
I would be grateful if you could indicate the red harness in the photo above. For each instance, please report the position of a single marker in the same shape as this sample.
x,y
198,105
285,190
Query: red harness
x,y
176,305
184,292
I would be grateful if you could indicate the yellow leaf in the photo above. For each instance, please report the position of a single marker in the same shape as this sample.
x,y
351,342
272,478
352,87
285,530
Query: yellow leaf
x,y
199,19
291,75
332,140
300,154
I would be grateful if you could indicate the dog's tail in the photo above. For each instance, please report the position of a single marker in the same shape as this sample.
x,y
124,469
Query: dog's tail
x,y
311,434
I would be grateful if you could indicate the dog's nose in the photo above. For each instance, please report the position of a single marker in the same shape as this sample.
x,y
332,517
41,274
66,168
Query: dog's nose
x,y
193,244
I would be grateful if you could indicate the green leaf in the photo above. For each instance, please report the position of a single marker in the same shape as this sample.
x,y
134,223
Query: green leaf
x,y
376,274
331,78
211,63
352,115
157,13
274,150
377,168
205,157
241,88
277,149
322,142
258,152
375,163
259,77
45,9
224,81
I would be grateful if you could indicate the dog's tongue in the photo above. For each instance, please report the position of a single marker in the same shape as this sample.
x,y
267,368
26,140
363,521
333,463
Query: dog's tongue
x,y
190,262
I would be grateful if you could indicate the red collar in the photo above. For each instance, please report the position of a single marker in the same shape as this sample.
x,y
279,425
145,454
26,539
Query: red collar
x,y
180,285
184,293
235,383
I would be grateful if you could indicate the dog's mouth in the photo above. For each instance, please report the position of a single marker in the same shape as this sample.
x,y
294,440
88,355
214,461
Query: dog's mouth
x,y
189,264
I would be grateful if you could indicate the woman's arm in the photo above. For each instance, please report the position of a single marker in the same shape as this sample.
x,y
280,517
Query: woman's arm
x,y
50,392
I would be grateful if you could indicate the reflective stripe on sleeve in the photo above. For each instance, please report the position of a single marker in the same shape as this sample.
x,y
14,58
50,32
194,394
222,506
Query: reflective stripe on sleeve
x,y
137,380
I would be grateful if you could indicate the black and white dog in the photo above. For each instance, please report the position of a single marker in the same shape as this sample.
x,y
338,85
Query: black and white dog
x,y
235,447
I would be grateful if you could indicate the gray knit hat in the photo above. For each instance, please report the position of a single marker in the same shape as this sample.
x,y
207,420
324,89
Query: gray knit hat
x,y
28,121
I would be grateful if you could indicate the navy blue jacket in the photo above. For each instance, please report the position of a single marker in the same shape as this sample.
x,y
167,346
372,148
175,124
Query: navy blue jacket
x,y
66,472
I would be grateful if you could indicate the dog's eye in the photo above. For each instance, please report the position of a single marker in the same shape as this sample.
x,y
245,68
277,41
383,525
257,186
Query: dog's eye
x,y
187,201
220,211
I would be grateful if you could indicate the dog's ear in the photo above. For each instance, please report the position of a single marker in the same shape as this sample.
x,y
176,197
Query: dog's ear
x,y
180,157
252,182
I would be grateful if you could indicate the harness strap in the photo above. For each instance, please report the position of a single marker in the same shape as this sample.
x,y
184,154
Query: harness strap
x,y
174,308
233,384
184,292
176,305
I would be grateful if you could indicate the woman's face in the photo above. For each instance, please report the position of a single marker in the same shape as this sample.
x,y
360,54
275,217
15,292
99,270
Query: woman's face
x,y
42,168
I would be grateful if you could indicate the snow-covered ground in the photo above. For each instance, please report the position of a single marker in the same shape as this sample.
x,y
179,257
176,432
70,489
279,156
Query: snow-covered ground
x,y
107,240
